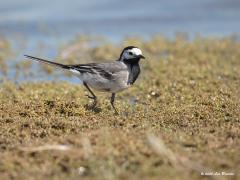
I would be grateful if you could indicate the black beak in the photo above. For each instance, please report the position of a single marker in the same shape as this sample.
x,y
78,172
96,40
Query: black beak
x,y
141,56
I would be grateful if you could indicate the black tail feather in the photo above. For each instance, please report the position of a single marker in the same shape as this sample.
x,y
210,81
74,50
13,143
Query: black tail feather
x,y
48,62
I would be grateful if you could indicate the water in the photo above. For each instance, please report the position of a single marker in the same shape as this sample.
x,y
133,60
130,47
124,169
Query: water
x,y
51,23
117,18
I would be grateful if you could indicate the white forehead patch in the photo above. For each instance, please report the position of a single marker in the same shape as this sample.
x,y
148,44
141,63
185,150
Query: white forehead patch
x,y
136,51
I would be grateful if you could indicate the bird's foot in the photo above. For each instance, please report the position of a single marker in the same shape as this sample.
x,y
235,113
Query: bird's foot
x,y
91,106
90,97
115,110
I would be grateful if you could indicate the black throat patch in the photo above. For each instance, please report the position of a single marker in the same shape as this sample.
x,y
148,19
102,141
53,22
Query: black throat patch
x,y
134,68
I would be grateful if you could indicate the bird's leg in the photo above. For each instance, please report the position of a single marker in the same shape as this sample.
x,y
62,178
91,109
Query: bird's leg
x,y
93,105
112,102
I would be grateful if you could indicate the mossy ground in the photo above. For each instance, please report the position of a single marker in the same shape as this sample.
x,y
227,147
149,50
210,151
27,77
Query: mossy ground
x,y
181,117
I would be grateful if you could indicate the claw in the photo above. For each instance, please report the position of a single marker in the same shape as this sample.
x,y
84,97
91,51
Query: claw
x,y
90,97
91,106
116,112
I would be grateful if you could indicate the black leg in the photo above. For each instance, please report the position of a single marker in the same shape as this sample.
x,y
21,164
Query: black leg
x,y
112,103
93,105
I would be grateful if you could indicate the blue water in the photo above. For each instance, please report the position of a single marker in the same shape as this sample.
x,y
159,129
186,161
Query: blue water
x,y
118,18
50,23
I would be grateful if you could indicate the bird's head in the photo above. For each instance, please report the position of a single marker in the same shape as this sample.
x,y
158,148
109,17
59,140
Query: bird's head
x,y
131,54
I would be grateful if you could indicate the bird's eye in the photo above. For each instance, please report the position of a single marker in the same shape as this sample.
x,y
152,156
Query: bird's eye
x,y
130,53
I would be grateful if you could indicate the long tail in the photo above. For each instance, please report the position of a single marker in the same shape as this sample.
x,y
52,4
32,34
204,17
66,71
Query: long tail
x,y
49,62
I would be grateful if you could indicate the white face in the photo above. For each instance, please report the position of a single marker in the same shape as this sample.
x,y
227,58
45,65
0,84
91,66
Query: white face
x,y
131,53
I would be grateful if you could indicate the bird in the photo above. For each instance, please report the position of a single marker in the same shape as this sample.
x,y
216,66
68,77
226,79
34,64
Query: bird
x,y
111,77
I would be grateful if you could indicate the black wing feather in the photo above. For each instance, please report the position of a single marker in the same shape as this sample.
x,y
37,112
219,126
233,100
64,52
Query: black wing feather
x,y
93,68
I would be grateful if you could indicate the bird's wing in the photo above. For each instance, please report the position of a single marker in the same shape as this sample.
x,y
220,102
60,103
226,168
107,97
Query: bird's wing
x,y
106,70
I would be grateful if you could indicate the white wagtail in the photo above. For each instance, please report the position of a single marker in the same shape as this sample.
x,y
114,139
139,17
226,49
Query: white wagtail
x,y
109,77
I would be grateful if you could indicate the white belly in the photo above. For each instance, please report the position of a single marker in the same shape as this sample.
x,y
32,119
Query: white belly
x,y
116,84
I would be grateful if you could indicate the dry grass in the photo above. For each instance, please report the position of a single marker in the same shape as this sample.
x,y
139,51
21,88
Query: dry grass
x,y
5,50
182,117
